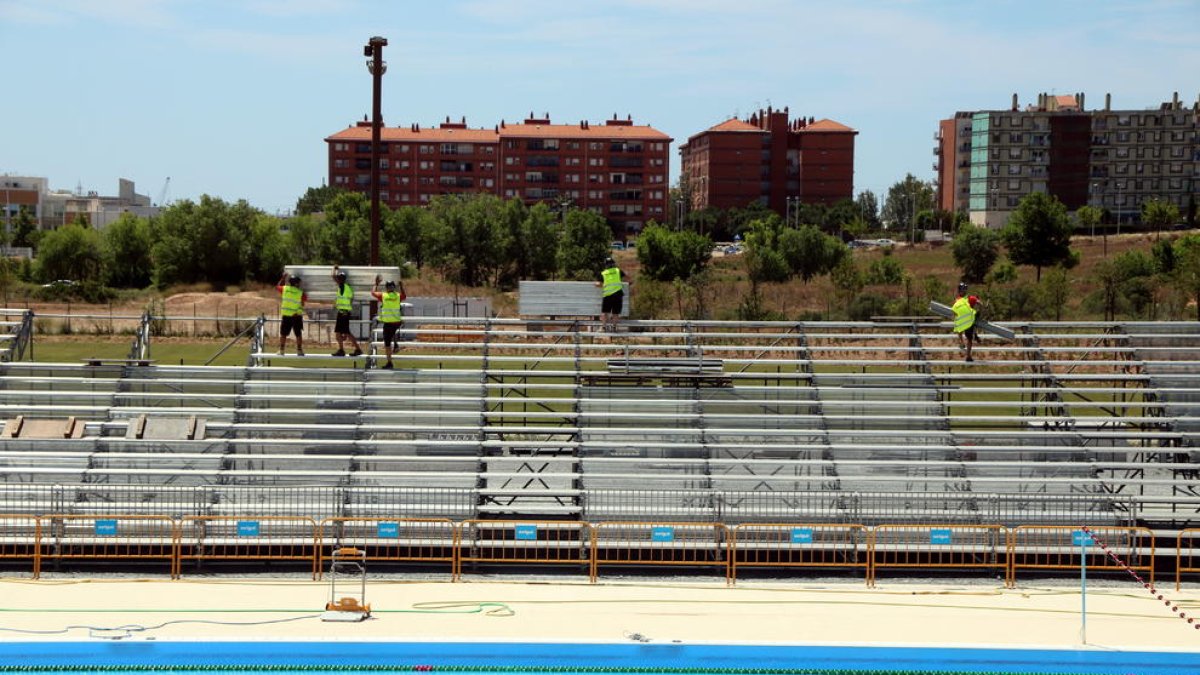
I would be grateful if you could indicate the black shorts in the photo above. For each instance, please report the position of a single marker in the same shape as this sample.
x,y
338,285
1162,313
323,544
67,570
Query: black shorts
x,y
292,324
611,304
970,333
341,324
389,332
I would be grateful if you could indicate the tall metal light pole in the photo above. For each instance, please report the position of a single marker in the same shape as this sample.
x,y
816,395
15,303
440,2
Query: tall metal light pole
x,y
1118,207
377,67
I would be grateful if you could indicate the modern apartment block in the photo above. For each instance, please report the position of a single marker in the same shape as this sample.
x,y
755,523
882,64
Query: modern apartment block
x,y
770,159
53,208
615,168
1115,159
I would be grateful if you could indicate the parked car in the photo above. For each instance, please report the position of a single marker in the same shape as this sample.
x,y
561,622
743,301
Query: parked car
x,y
617,246
884,242
60,283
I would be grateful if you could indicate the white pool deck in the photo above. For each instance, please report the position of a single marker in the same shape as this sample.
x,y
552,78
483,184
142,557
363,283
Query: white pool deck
x,y
755,612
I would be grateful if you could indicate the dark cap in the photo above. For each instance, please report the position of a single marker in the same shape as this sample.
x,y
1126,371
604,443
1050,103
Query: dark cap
x,y
340,276
962,287
294,279
609,261
391,285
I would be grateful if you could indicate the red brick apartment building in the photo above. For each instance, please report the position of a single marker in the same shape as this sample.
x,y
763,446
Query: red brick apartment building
x,y
616,168
769,158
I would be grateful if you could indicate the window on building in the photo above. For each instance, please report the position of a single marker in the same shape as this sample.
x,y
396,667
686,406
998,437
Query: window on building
x,y
426,149
341,164
425,165
424,198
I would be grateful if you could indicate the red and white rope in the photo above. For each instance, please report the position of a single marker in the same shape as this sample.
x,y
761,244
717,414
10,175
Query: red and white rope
x,y
1145,584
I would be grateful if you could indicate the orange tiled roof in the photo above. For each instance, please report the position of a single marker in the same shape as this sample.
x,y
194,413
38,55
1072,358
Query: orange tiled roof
x,y
1066,101
826,125
734,124
357,133
599,131
593,131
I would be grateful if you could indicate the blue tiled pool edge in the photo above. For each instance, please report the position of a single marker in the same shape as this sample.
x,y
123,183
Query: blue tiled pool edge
x,y
587,657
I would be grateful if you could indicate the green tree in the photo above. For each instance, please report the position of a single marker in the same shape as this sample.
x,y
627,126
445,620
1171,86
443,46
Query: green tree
x,y
71,252
583,246
407,229
975,250
201,241
303,239
867,203
886,270
24,228
667,255
127,246
905,200
1123,284
809,253
266,250
1053,292
1158,214
542,232
1088,217
1039,233
1186,274
315,199
345,234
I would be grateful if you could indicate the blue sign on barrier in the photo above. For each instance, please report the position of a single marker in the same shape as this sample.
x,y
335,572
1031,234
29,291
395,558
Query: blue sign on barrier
x,y
802,535
526,533
662,534
247,528
106,528
1081,538
940,536
387,530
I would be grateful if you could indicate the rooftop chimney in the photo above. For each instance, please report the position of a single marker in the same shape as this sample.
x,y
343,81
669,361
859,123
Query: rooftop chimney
x,y
1107,102
1015,105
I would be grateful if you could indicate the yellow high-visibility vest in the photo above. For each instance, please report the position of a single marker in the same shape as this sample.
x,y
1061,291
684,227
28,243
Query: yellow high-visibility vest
x,y
291,301
612,281
343,302
964,314
389,309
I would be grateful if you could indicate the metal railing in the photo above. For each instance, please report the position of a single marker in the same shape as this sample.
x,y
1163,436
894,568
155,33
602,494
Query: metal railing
x,y
258,539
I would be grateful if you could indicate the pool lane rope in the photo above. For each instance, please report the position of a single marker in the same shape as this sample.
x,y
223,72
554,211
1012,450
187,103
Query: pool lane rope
x,y
421,668
1145,584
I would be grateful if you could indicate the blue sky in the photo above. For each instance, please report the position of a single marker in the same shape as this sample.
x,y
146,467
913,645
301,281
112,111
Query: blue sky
x,y
233,99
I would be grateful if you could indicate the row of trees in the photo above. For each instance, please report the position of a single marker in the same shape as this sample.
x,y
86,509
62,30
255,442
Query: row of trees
x,y
476,240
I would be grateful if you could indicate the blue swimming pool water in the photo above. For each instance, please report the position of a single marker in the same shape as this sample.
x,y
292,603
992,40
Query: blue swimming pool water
x,y
510,658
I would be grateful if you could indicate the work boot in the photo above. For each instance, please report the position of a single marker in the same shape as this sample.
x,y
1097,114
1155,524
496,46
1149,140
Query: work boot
x,y
969,360
299,352
357,352
387,366
338,353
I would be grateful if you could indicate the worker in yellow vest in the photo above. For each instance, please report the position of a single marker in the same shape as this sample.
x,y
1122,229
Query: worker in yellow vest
x,y
291,310
613,294
964,319
390,314
343,305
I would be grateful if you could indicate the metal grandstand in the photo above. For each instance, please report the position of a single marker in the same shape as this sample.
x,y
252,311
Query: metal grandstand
x,y
717,422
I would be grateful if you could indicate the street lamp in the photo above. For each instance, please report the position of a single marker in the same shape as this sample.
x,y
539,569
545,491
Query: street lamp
x,y
377,67
792,204
1118,206
1100,199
